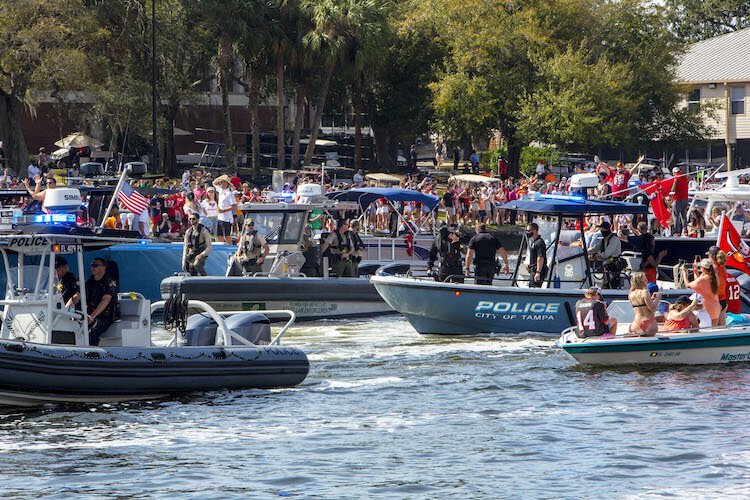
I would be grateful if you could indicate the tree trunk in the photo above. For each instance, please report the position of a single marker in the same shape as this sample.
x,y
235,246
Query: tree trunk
x,y
382,147
514,159
225,82
169,154
358,89
253,96
280,126
299,117
14,145
315,125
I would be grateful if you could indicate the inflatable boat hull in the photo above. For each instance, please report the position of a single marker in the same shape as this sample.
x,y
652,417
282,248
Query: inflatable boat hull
x,y
309,298
32,374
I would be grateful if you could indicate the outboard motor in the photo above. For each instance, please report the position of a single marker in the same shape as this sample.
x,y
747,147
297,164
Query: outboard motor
x,y
92,169
201,329
137,168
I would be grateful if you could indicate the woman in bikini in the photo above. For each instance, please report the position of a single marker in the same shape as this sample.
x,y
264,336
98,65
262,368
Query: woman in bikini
x,y
706,284
644,305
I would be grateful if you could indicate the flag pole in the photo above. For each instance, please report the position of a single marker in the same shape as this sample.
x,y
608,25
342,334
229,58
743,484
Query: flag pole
x,y
114,195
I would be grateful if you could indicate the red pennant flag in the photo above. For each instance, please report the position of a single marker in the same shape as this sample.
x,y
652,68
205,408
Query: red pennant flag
x,y
730,241
660,210
409,239
664,186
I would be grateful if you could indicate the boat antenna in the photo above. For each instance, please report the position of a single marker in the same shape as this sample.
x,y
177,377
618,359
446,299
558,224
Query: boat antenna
x,y
124,142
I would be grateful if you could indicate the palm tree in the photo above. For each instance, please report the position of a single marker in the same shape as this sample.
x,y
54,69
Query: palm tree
x,y
338,24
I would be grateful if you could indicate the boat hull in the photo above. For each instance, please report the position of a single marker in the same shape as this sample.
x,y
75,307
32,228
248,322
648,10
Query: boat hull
x,y
450,309
309,298
684,349
36,374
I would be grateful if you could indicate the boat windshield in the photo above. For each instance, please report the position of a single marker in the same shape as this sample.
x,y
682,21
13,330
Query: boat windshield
x,y
279,227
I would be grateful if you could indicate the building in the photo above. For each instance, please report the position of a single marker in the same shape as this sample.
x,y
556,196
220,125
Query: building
x,y
718,70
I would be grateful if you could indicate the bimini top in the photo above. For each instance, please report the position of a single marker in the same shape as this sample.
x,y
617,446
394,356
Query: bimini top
x,y
570,206
365,196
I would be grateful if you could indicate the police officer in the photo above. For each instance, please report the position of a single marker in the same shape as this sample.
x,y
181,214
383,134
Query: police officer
x,y
483,247
537,256
447,248
197,247
67,284
252,249
341,248
101,297
359,247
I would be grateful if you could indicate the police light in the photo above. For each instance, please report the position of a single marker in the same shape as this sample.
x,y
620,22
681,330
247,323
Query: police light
x,y
54,218
143,242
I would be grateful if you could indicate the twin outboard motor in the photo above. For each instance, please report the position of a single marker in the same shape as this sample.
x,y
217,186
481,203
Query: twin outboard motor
x,y
201,329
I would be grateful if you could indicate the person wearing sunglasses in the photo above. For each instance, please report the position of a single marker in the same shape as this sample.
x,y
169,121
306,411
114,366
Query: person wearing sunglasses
x,y
252,250
197,247
101,300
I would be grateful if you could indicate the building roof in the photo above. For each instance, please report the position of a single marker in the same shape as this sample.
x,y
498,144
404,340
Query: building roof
x,y
720,59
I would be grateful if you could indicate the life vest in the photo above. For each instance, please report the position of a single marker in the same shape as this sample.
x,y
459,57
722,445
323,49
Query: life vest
x,y
343,244
196,242
249,247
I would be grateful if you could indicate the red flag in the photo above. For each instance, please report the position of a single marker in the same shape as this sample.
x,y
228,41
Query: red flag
x,y
660,210
664,186
730,241
409,239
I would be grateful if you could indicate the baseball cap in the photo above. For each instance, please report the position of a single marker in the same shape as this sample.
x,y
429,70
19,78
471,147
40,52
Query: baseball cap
x,y
676,170
683,299
713,250
653,288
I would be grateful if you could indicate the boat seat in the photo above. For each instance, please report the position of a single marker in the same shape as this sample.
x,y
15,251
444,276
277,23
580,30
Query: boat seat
x,y
129,330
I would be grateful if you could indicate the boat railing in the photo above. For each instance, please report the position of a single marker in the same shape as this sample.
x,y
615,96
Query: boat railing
x,y
271,314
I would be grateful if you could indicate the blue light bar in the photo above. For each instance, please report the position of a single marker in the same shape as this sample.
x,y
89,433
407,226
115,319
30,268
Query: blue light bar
x,y
53,218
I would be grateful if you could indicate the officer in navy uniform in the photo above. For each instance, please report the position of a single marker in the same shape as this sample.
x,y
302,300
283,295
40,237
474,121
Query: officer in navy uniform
x,y
67,284
484,247
447,249
101,298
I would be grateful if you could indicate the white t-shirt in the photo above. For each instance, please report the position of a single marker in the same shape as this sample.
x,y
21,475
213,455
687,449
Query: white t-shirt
x,y
226,200
211,208
539,169
146,220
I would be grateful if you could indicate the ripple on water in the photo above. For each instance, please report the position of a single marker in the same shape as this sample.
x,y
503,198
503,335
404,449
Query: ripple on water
x,y
385,411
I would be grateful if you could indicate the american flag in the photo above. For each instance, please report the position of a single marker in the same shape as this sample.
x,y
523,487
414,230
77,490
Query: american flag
x,y
131,199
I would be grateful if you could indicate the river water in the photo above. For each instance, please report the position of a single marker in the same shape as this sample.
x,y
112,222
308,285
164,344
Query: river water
x,y
388,413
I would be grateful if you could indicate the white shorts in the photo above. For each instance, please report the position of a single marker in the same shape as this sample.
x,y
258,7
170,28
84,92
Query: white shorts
x,y
451,210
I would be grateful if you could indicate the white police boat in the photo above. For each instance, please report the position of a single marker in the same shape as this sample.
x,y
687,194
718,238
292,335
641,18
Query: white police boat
x,y
509,305
45,354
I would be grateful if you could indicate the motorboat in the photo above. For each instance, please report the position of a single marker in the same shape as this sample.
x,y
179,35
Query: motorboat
x,y
284,282
700,346
46,356
509,305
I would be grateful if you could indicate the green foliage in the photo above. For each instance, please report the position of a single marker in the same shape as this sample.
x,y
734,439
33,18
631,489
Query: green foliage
x,y
530,156
696,20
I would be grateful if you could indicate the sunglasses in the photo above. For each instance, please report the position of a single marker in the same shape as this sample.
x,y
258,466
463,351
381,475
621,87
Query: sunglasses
x,y
193,218
95,264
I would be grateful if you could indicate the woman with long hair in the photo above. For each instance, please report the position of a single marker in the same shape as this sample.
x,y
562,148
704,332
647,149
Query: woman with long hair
x,y
696,225
644,306
706,285
210,205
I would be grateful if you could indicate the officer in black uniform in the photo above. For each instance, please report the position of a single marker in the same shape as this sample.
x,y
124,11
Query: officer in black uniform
x,y
447,248
537,256
101,298
67,284
483,247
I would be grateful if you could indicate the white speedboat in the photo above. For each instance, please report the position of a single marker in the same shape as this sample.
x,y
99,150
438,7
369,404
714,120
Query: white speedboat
x,y
705,346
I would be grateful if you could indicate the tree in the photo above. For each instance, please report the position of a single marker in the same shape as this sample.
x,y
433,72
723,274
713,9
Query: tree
x,y
42,41
695,20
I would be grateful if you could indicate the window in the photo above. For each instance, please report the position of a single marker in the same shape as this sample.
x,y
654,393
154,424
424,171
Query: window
x,y
694,99
738,100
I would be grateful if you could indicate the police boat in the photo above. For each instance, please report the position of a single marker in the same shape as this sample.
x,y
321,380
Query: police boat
x,y
300,281
699,346
45,352
509,305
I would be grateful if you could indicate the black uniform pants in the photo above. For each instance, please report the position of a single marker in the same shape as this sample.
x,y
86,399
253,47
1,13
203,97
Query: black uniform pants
x,y
97,329
447,271
484,272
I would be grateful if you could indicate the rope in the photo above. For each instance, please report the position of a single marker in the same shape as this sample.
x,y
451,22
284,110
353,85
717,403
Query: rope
x,y
175,313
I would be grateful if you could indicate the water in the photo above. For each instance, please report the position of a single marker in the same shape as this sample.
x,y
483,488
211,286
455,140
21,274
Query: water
x,y
387,412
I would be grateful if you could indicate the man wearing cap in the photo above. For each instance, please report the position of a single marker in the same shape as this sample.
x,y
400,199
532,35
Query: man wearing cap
x,y
618,178
227,205
252,249
592,318
67,284
679,194
446,248
196,248
341,248
608,249
101,300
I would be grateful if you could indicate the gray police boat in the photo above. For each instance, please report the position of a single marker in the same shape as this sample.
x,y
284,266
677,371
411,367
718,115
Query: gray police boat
x,y
509,305
45,354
